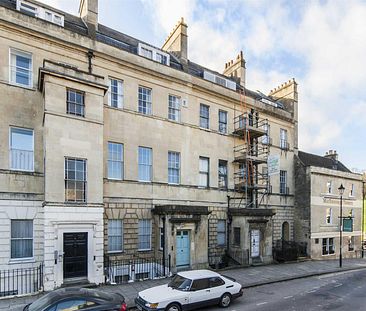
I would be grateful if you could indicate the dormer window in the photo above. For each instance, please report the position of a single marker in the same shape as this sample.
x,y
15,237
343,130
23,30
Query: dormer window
x,y
40,12
153,54
146,53
219,80
28,9
161,58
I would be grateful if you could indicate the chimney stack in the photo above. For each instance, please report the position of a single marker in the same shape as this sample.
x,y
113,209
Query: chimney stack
x,y
177,41
236,69
331,154
88,10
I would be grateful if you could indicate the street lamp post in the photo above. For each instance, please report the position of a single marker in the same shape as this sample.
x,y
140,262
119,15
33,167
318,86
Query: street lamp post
x,y
341,191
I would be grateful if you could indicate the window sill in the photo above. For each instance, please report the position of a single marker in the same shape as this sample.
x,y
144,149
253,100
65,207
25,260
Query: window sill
x,y
27,87
14,261
115,252
114,179
205,129
144,250
144,114
21,171
145,181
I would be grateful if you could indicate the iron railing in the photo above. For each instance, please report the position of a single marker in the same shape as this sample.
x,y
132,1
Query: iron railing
x,y
136,269
21,281
289,250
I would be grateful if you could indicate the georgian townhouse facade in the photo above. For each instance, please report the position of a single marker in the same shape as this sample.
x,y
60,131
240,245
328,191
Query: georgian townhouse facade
x,y
115,149
317,206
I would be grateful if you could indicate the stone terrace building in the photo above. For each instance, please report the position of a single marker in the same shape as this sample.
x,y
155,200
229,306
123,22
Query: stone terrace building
x,y
317,205
113,148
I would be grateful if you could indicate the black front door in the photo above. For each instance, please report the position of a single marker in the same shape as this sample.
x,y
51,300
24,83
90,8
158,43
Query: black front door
x,y
75,254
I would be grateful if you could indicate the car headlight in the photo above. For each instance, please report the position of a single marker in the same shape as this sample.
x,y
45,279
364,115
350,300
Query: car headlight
x,y
152,305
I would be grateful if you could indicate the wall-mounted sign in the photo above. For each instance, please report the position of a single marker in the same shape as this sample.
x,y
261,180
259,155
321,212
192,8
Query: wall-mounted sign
x,y
273,164
347,224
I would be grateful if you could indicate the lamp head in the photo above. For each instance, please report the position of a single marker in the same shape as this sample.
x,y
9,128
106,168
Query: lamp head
x,y
341,189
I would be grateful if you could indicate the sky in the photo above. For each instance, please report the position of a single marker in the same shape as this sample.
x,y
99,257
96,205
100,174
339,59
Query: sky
x,y
322,44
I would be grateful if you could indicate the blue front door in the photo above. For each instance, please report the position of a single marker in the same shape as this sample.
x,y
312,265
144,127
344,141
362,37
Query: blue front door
x,y
183,248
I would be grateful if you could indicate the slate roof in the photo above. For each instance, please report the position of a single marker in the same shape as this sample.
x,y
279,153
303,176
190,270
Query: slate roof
x,y
124,42
310,159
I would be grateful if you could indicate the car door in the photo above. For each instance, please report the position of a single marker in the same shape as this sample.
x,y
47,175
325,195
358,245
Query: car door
x,y
199,294
217,288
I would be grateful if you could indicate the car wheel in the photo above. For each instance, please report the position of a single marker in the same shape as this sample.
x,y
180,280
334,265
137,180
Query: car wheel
x,y
173,307
225,300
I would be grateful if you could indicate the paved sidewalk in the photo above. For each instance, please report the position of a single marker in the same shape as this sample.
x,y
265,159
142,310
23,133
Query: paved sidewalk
x,y
248,277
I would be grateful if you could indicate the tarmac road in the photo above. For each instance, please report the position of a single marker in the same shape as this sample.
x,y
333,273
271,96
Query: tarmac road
x,y
338,291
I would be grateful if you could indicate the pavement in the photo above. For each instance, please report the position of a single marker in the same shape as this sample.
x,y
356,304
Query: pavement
x,y
248,277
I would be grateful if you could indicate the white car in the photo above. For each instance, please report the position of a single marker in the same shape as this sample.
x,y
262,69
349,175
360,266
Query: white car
x,y
190,290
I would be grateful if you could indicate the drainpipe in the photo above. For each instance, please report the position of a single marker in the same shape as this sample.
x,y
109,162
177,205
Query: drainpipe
x,y
228,225
164,244
90,55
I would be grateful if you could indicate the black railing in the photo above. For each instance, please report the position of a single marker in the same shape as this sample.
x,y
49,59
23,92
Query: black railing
x,y
21,281
136,269
289,250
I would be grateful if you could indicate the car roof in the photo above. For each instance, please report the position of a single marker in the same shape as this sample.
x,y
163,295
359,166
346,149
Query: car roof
x,y
70,292
198,274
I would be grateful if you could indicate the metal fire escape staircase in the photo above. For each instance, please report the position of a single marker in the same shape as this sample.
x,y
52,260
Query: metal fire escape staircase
x,y
250,158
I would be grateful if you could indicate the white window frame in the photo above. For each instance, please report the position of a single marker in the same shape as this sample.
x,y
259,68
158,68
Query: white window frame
x,y
267,136
150,164
283,139
329,216
206,173
220,175
175,107
283,181
150,233
11,239
327,253
20,4
351,243
202,117
148,101
85,181
154,53
119,93
175,166
122,242
161,236
11,149
113,160
329,187
223,129
14,52
352,191
41,13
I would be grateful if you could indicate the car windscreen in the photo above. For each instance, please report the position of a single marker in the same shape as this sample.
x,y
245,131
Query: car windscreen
x,y
179,282
100,295
42,302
